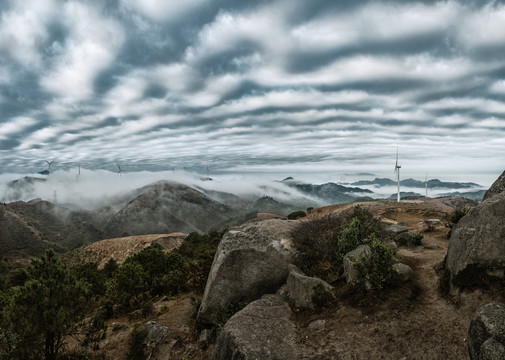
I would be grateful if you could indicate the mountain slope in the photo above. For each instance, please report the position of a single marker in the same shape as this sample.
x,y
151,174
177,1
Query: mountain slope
x,y
166,207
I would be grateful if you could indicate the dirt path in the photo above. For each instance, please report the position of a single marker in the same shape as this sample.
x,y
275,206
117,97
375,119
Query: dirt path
x,y
413,322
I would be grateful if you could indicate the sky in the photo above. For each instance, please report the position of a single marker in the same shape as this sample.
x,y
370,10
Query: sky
x,y
291,86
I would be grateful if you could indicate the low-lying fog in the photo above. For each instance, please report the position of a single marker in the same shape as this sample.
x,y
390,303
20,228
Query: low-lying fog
x,y
93,188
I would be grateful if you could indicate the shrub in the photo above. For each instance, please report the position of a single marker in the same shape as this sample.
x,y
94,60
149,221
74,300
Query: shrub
x,y
377,267
297,214
416,240
322,243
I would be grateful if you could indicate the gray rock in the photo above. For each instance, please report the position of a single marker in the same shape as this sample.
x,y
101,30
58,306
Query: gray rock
x,y
486,335
392,245
477,240
403,272
262,330
352,275
395,230
157,336
204,336
250,261
301,287
497,187
405,238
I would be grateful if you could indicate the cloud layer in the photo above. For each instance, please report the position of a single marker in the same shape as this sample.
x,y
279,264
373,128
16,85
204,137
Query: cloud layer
x,y
241,85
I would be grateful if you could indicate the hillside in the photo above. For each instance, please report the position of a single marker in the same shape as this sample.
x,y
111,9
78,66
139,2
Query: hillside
x,y
119,249
166,207
411,322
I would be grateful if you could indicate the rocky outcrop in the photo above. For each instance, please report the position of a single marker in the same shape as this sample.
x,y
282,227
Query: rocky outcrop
x,y
251,260
353,276
262,330
497,187
301,288
476,244
486,335
155,340
395,230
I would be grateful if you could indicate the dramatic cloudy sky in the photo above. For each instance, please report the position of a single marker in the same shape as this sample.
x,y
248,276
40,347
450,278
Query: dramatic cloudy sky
x,y
319,85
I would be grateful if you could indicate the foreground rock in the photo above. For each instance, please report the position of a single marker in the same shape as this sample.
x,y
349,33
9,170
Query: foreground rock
x,y
497,187
476,246
301,288
352,275
262,330
155,342
486,335
251,260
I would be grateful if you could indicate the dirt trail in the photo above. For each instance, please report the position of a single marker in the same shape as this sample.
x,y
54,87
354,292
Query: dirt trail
x,y
412,322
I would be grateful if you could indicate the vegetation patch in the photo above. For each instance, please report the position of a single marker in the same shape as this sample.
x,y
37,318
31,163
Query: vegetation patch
x,y
297,215
322,243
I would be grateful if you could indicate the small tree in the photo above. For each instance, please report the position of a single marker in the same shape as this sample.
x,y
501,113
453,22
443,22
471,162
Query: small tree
x,y
45,309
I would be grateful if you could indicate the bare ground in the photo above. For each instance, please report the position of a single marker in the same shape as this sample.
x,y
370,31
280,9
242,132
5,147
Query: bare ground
x,y
410,322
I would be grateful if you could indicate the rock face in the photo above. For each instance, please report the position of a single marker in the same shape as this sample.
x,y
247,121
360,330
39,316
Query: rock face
x,y
262,330
352,275
300,287
155,339
477,241
486,335
251,260
497,187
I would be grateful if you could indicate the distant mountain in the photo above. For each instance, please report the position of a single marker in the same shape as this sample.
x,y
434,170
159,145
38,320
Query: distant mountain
x,y
433,183
472,195
404,194
166,207
329,193
267,204
376,181
16,189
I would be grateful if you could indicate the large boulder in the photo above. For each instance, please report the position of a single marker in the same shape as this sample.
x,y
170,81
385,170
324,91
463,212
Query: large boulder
x,y
251,260
497,187
477,243
262,330
486,335
301,288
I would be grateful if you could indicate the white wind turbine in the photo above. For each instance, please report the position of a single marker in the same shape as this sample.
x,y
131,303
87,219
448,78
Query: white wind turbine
x,y
397,172
120,171
426,185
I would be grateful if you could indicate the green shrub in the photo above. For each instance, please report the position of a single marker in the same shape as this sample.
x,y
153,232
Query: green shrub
x,y
322,243
416,240
297,214
377,267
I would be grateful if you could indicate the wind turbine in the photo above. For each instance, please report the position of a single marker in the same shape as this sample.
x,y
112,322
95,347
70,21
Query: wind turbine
x,y
426,185
397,172
78,173
49,163
119,170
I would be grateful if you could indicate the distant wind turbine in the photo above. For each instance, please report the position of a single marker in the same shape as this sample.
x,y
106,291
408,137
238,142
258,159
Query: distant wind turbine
x,y
78,173
119,170
397,172
49,163
426,184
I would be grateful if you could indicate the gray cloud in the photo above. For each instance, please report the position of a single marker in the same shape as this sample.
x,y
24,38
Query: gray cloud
x,y
252,83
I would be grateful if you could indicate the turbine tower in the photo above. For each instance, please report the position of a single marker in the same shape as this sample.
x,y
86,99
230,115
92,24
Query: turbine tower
x,y
119,170
426,185
49,163
397,172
